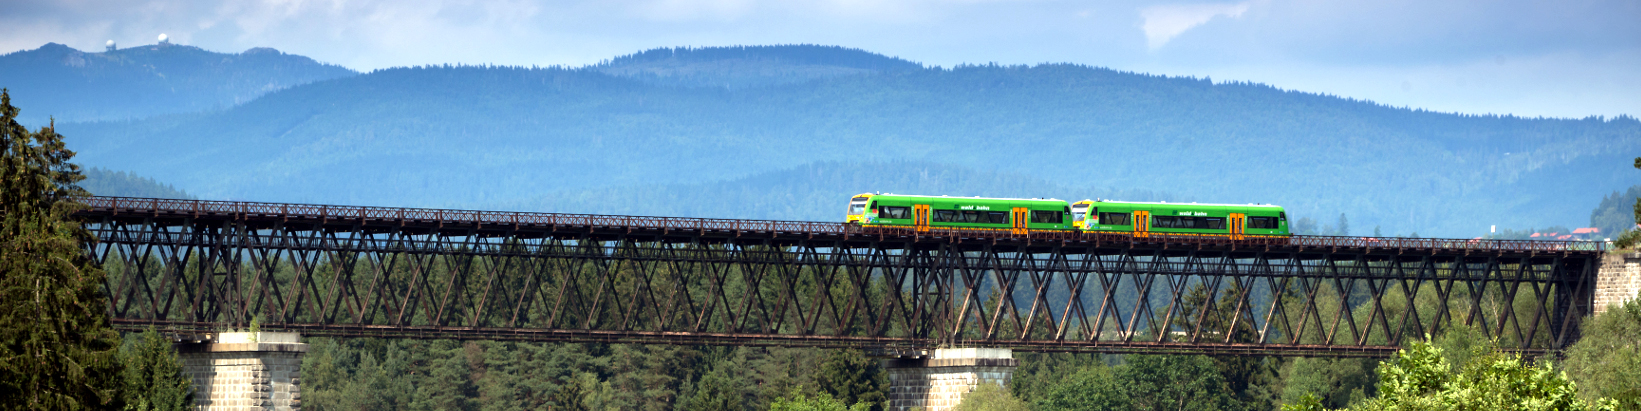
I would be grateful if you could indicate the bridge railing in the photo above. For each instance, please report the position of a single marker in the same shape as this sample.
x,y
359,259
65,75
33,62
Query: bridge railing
x,y
245,209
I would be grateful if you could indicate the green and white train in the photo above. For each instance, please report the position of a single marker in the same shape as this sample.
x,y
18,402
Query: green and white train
x,y
1020,216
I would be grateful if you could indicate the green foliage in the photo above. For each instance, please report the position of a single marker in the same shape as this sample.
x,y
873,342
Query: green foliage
x,y
394,374
1331,382
153,375
1175,382
990,397
1040,373
716,391
57,349
1422,378
1094,387
852,377
1606,360
1307,402
798,401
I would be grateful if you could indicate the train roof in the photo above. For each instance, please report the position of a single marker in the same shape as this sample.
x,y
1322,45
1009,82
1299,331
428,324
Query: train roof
x,y
958,197
1186,204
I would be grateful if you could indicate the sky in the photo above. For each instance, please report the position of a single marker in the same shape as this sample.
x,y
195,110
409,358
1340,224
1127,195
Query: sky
x,y
1526,58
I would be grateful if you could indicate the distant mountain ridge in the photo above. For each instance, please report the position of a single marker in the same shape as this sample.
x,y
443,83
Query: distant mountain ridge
x,y
72,85
476,136
748,66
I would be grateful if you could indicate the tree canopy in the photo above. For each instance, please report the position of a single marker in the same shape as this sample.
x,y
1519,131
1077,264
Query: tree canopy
x,y
57,348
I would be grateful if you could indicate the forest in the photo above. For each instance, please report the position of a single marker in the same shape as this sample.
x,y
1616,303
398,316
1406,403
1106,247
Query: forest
x,y
691,119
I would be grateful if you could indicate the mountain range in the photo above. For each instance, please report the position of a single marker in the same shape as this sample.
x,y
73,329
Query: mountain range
x,y
723,132
57,81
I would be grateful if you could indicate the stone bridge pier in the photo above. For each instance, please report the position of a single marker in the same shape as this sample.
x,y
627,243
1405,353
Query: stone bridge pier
x,y
937,380
1618,281
244,371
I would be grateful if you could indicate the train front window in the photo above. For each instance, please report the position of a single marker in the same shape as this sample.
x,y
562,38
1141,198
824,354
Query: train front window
x,y
857,205
1077,213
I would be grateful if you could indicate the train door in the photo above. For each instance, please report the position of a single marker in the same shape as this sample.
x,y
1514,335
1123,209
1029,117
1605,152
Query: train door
x,y
920,217
1018,220
1239,225
1142,223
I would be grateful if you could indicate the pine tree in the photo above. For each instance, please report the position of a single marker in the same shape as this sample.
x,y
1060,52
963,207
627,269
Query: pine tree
x,y
853,378
153,375
57,348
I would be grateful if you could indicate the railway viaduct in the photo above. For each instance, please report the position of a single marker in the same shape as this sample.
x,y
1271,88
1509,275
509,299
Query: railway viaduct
x,y
944,309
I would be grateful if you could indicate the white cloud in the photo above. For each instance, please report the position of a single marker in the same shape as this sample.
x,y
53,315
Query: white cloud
x,y
1163,23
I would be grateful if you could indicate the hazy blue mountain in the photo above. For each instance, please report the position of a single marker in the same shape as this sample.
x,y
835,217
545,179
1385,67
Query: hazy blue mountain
x,y
465,136
104,182
1616,212
811,192
748,66
71,85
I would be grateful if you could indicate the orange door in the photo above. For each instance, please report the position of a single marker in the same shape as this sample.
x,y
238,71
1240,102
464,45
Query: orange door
x,y
920,217
1018,220
1239,225
1142,223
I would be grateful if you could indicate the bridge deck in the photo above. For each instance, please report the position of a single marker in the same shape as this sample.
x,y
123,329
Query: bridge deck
x,y
542,225
430,273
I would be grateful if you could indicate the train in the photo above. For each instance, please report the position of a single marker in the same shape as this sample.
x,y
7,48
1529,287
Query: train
x,y
1021,216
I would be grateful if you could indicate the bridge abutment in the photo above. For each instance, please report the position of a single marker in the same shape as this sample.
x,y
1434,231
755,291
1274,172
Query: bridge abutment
x,y
938,381
245,371
1618,281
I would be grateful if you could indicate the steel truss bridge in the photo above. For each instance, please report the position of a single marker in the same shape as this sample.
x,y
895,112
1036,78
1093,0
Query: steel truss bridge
x,y
188,266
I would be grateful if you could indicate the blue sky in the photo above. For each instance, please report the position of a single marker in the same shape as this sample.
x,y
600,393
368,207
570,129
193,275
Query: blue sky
x,y
1546,58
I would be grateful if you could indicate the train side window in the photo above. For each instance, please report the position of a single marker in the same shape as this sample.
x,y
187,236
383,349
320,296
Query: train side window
x,y
1262,222
1114,218
894,212
1215,223
945,216
997,217
971,216
1162,222
1050,217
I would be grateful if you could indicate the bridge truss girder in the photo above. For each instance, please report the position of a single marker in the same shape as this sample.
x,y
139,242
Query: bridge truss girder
x,y
873,292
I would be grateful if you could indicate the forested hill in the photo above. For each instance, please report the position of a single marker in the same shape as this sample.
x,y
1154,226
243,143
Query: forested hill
x,y
469,136
749,66
71,85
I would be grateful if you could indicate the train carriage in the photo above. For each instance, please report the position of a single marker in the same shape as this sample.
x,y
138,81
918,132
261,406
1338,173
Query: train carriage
x,y
959,213
1236,221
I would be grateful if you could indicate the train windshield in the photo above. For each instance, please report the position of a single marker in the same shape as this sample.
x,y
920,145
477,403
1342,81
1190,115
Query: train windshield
x,y
1077,212
857,206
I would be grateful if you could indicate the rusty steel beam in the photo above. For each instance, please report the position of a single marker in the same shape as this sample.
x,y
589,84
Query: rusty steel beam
x,y
186,265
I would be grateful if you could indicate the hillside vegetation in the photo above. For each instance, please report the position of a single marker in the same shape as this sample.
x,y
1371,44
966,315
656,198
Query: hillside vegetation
x,y
468,136
812,192
71,85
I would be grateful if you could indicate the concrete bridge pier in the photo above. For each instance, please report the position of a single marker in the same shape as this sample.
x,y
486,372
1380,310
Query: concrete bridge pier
x,y
244,371
937,380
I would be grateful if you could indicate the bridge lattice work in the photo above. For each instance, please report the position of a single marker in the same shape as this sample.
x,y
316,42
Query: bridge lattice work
x,y
184,265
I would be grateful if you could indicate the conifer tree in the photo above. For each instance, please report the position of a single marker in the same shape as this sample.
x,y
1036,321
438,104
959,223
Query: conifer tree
x,y
153,375
852,378
57,348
